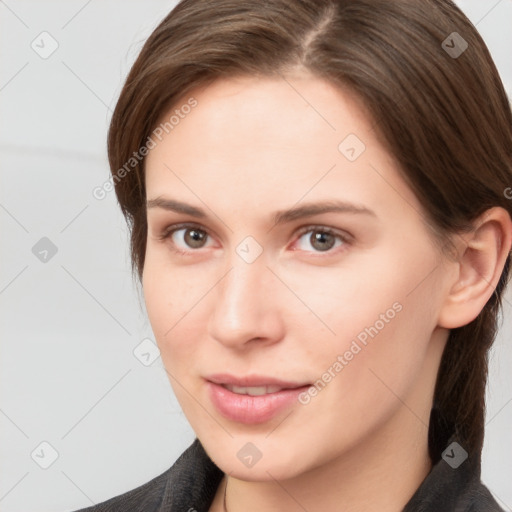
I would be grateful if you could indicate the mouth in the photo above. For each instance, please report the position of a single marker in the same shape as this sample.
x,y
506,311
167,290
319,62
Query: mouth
x,y
252,390
252,399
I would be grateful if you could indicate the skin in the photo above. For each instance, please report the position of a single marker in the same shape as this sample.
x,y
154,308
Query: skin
x,y
249,148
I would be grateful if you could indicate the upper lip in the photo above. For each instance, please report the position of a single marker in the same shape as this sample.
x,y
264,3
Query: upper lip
x,y
253,380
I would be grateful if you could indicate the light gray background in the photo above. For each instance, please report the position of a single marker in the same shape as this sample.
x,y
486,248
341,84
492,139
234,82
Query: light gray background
x,y
69,326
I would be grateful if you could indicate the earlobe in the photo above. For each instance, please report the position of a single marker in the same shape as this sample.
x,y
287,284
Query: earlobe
x,y
483,254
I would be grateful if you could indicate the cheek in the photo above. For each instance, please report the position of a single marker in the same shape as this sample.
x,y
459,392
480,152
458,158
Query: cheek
x,y
161,302
173,298
383,324
390,361
362,384
366,297
170,292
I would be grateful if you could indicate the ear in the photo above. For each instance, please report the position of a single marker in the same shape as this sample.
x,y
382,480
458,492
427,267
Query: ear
x,y
482,256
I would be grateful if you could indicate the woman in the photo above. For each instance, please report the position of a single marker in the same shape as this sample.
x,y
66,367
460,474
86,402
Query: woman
x,y
315,193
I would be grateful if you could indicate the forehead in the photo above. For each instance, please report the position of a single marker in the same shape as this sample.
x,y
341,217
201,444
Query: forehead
x,y
257,141
271,110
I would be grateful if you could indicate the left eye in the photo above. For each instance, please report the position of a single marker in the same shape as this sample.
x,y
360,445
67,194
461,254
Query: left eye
x,y
321,239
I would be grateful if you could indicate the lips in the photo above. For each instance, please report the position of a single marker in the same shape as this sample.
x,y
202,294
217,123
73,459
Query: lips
x,y
252,399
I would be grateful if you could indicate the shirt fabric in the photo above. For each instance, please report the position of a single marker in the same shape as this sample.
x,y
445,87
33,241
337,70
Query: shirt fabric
x,y
191,483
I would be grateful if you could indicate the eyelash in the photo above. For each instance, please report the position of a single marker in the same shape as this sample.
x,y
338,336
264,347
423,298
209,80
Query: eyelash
x,y
345,239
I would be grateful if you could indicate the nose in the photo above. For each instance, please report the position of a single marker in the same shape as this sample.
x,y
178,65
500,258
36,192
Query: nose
x,y
246,308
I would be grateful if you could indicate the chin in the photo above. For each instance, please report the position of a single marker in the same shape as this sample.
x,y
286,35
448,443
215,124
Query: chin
x,y
272,460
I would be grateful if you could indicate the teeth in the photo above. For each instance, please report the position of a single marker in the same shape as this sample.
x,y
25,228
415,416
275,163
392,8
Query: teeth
x,y
252,390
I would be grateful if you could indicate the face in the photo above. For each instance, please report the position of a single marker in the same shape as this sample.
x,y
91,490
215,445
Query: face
x,y
285,247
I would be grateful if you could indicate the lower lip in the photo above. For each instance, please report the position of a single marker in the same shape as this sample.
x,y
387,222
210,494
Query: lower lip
x,y
252,409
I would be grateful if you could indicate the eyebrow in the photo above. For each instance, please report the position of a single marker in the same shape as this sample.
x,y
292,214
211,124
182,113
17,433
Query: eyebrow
x,y
280,216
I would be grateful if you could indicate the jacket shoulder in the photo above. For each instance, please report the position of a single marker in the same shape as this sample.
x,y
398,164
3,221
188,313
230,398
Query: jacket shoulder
x,y
482,500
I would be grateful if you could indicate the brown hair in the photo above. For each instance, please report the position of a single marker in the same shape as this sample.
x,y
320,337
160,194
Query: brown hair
x,y
445,117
